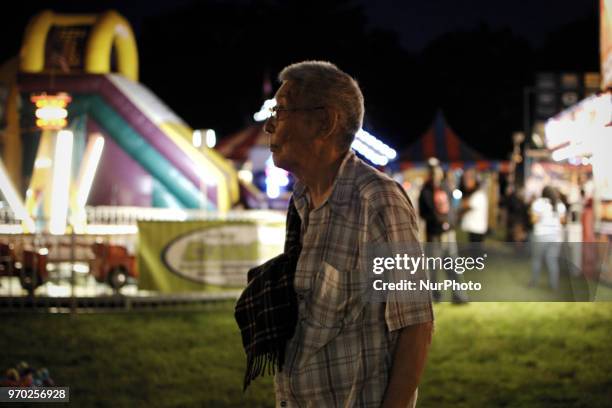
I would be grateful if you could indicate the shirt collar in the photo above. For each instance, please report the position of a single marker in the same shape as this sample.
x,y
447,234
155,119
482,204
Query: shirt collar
x,y
342,188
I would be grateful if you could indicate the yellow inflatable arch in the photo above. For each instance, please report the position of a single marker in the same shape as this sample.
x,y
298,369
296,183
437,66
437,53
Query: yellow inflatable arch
x,y
109,31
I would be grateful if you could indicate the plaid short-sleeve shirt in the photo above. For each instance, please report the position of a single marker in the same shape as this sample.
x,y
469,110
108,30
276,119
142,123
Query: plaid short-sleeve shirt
x,y
342,351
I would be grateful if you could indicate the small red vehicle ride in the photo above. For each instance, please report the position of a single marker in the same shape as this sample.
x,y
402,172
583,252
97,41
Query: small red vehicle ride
x,y
112,264
28,264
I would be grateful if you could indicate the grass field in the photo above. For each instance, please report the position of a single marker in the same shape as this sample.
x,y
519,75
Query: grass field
x,y
483,355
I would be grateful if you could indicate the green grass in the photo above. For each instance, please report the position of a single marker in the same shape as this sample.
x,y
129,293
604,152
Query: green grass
x,y
156,359
520,355
483,355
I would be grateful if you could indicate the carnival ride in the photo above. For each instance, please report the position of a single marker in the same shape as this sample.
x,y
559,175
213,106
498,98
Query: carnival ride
x,y
84,143
121,145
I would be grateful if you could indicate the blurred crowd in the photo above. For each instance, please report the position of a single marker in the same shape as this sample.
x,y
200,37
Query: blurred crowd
x,y
451,208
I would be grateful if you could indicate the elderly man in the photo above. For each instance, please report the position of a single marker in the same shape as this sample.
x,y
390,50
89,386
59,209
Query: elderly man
x,y
346,351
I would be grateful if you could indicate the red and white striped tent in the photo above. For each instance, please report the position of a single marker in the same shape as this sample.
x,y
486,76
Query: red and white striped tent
x,y
441,141
237,146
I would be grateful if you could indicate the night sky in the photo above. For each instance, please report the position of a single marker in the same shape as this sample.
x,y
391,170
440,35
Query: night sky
x,y
420,22
208,59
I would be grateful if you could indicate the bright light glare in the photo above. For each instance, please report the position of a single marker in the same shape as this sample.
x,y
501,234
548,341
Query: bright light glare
x,y
197,138
368,153
80,268
91,161
373,149
11,195
51,110
12,229
51,113
583,123
572,150
103,229
264,112
61,182
54,290
272,190
275,179
42,163
376,144
457,194
211,138
245,175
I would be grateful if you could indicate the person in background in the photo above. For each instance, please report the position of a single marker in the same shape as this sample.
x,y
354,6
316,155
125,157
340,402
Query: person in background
x,y
435,203
450,181
547,217
435,208
474,211
518,223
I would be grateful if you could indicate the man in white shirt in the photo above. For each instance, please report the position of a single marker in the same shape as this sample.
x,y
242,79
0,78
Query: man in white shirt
x,y
474,208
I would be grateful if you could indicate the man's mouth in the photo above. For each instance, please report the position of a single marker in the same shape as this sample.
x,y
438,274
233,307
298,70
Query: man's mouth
x,y
273,147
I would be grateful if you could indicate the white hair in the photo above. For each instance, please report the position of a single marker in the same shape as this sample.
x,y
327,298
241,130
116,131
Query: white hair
x,y
321,83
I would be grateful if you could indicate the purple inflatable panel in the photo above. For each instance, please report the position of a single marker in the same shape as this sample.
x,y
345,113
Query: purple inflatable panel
x,y
120,180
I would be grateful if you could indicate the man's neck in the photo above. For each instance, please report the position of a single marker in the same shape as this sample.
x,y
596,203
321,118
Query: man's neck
x,y
319,180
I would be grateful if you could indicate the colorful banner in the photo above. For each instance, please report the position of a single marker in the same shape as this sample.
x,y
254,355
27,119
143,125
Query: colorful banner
x,y
605,42
187,256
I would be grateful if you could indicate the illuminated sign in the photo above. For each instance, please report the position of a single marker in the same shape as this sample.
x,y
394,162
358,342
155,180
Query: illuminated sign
x,y
51,113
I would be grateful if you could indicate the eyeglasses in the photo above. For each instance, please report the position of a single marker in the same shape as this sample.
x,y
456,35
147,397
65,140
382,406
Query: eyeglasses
x,y
275,112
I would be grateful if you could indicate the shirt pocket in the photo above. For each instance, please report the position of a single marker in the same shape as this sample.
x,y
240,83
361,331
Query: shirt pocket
x,y
337,297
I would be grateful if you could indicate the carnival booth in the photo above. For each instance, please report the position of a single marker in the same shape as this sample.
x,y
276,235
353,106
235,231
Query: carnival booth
x,y
582,136
441,141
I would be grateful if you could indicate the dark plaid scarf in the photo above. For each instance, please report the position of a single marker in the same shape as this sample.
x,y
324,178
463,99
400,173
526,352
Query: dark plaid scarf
x,y
267,309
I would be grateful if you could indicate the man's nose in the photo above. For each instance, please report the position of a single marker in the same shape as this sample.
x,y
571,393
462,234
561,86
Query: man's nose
x,y
269,126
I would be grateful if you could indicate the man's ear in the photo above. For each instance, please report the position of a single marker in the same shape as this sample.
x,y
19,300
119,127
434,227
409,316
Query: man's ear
x,y
329,123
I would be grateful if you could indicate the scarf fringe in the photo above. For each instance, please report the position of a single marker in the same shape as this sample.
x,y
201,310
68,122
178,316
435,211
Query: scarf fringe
x,y
273,360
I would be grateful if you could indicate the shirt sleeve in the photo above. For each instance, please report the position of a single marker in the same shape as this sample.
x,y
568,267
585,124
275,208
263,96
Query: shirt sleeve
x,y
482,201
394,222
537,208
561,209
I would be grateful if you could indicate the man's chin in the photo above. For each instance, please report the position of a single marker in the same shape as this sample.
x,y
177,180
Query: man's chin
x,y
278,160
